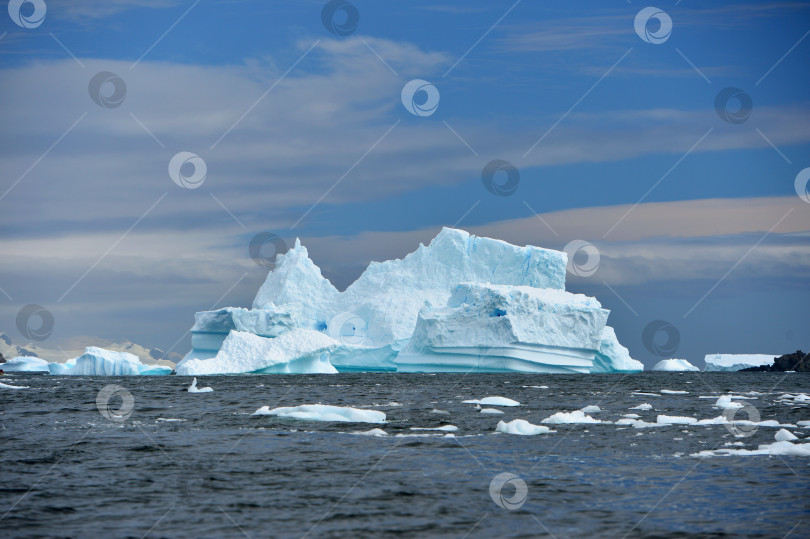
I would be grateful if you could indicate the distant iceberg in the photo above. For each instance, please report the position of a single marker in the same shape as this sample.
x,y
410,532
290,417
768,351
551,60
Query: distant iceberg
x,y
25,364
100,362
461,303
674,365
736,362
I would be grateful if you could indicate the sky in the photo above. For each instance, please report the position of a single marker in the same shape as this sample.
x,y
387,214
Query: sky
x,y
672,141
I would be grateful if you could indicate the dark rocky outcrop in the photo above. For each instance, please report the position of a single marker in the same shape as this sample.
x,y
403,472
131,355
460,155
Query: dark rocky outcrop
x,y
798,361
2,359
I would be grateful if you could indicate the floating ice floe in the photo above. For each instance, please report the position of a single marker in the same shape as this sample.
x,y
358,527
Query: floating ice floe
x,y
443,428
521,427
298,351
783,448
462,303
736,362
372,432
643,406
100,362
575,417
493,401
591,409
491,411
25,364
673,392
323,412
784,435
725,403
675,420
9,386
194,389
674,365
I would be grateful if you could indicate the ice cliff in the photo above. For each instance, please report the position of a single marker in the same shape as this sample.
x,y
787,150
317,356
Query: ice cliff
x,y
461,303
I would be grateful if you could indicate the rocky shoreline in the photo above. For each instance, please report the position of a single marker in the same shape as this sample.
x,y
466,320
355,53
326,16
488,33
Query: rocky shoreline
x,y
798,361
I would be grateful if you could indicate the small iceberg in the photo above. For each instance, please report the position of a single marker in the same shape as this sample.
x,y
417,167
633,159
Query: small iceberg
x,y
194,389
323,412
491,411
521,427
674,365
592,409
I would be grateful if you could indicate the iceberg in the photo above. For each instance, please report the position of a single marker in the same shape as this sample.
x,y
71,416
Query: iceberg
x,y
460,303
674,365
298,351
100,362
736,362
25,364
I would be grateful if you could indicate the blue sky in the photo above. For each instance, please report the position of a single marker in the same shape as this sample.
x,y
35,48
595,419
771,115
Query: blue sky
x,y
304,134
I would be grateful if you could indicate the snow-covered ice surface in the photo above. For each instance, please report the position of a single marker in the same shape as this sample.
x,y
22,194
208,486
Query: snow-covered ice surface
x,y
461,304
584,480
736,362
674,365
299,351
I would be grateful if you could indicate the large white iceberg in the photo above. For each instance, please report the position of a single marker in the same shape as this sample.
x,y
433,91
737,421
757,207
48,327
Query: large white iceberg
x,y
298,351
674,365
736,362
100,362
25,364
461,303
